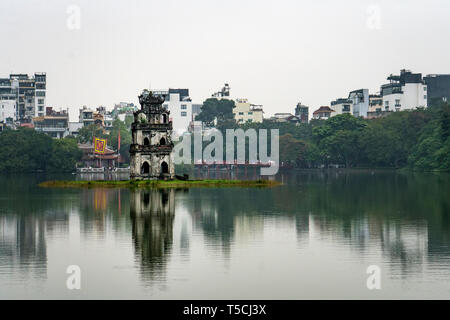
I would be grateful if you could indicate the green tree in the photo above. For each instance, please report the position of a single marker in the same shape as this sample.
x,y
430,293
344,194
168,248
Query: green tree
x,y
65,155
216,109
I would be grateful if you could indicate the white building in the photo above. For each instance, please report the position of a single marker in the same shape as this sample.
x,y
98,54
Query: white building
x,y
246,112
7,110
323,113
341,106
360,102
404,92
180,106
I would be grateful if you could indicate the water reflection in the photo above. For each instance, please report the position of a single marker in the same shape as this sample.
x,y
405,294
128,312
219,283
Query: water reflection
x,y
152,214
181,239
23,246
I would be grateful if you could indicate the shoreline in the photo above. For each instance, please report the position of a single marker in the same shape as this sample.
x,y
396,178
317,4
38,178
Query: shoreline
x,y
157,183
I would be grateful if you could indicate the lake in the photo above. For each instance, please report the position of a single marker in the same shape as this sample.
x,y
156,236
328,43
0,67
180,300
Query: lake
x,y
311,238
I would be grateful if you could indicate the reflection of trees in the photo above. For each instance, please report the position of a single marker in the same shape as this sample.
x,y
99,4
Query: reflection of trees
x,y
28,215
406,216
400,213
23,244
152,213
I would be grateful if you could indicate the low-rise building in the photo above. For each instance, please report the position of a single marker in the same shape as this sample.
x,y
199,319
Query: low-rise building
x,y
323,113
360,102
341,106
438,88
376,108
244,111
406,91
54,123
285,117
107,160
74,128
86,116
224,93
302,112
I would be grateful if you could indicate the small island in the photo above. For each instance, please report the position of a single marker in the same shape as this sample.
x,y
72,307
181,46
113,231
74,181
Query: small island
x,y
152,164
158,183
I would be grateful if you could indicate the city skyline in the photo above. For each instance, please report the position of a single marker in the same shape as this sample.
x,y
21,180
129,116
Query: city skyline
x,y
123,47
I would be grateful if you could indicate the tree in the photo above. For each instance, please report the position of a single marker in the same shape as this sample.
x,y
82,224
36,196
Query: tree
x,y
27,150
87,133
64,156
216,109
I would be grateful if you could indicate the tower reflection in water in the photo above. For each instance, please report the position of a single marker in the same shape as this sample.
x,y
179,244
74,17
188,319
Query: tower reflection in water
x,y
152,213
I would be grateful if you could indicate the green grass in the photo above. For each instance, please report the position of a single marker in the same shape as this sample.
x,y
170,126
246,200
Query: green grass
x,y
159,183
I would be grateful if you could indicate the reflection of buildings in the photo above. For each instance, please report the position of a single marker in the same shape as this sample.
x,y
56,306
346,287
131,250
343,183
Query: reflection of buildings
x,y
23,246
152,214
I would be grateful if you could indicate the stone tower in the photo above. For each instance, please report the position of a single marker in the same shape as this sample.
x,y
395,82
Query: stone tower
x,y
151,148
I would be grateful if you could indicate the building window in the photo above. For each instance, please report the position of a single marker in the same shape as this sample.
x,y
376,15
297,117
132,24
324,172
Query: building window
x,y
425,96
241,113
183,107
41,108
40,101
165,105
424,88
184,114
250,113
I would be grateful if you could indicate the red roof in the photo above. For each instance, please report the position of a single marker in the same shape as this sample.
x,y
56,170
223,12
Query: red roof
x,y
323,109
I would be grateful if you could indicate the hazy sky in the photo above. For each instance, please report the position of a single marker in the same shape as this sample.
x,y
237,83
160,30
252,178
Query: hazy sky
x,y
274,53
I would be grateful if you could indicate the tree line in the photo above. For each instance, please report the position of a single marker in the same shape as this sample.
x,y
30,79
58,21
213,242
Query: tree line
x,y
27,150
416,139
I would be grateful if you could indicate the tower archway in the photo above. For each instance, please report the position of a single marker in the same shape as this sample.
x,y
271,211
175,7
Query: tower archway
x,y
145,169
146,141
164,167
162,142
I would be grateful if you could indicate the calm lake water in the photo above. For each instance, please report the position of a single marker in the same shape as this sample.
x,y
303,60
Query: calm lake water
x,y
311,238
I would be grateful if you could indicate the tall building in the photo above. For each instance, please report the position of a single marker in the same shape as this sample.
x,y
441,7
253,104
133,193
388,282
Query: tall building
x,y
178,102
246,112
438,88
360,102
302,112
404,92
8,101
151,148
28,94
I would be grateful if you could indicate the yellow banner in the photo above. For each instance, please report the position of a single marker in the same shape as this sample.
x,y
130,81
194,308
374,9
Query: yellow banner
x,y
99,145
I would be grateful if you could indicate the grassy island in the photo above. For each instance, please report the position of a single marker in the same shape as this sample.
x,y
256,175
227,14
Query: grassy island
x,y
159,183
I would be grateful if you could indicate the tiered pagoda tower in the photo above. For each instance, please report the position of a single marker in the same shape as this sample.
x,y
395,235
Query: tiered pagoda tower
x,y
151,148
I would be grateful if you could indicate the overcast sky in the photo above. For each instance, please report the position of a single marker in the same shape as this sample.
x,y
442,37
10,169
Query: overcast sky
x,y
274,53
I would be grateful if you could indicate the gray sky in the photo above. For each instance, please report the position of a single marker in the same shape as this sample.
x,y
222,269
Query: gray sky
x,y
274,53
